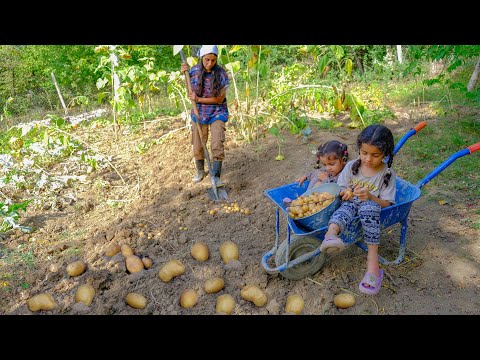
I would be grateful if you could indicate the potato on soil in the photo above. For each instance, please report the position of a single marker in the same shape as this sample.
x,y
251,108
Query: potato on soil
x,y
200,251
295,304
76,268
225,304
126,250
136,300
171,269
188,298
85,294
214,285
41,302
228,251
254,294
147,262
112,250
134,263
344,301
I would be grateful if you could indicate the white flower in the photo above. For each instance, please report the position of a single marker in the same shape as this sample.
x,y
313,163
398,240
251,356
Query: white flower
x,y
37,148
18,179
6,160
42,181
27,163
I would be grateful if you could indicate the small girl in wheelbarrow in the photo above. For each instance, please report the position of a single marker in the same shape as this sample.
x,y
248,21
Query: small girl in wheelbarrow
x,y
331,159
368,185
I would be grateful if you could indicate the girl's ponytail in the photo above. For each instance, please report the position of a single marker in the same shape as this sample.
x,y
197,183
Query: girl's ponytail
x,y
356,166
387,177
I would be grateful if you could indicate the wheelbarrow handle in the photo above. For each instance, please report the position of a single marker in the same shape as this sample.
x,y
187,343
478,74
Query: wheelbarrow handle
x,y
420,126
467,151
474,147
405,137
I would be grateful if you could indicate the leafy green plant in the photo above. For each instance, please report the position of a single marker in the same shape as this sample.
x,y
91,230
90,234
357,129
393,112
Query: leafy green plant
x,y
275,131
10,213
5,112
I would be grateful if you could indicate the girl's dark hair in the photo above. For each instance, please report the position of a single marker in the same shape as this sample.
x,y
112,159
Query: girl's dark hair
x,y
333,147
216,79
382,138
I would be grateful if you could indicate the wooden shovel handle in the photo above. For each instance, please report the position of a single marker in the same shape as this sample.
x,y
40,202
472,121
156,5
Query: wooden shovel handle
x,y
189,86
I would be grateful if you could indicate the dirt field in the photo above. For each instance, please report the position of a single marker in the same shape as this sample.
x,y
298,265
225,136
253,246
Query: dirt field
x,y
160,214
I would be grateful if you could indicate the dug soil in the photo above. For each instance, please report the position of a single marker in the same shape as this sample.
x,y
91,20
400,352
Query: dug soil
x,y
150,203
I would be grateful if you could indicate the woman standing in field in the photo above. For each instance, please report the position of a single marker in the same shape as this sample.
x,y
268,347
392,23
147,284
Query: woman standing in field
x,y
209,89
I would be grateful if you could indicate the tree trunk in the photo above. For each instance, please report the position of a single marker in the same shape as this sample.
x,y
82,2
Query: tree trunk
x,y
389,56
474,78
358,60
399,53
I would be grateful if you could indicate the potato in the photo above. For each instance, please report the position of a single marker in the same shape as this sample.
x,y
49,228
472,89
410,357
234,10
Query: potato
x,y
171,269
188,298
295,304
41,302
228,251
214,285
308,205
344,301
225,304
136,300
76,268
254,294
126,250
134,263
200,251
147,262
112,249
85,294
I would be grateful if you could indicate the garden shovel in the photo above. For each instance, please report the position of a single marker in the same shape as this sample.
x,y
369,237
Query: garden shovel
x,y
215,193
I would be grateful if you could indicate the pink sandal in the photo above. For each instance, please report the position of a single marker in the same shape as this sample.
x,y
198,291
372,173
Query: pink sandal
x,y
332,244
374,282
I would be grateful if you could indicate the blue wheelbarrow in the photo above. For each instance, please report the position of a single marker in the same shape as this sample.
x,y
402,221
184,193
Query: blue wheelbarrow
x,y
299,255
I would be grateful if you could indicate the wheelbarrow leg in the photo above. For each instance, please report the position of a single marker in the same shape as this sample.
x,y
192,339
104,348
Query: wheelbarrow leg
x,y
273,251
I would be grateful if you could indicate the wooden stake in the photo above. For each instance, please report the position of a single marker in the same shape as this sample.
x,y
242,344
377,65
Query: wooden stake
x,y
59,93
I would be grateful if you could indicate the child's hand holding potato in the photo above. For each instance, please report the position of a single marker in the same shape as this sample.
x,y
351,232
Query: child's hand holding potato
x,y
362,193
346,194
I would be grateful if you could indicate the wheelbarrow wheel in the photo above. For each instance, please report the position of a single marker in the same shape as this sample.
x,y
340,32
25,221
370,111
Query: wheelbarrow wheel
x,y
299,245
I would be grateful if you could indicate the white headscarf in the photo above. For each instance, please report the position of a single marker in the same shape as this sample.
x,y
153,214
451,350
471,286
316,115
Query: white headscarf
x,y
208,49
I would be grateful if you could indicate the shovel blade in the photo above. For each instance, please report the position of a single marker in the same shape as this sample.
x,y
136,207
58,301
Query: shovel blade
x,y
177,49
221,194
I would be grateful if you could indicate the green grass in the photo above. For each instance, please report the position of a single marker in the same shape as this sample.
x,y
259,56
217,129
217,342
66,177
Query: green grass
x,y
19,256
436,143
72,252
325,123
65,235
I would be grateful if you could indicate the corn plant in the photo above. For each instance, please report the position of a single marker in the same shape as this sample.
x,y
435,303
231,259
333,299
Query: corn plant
x,y
5,112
